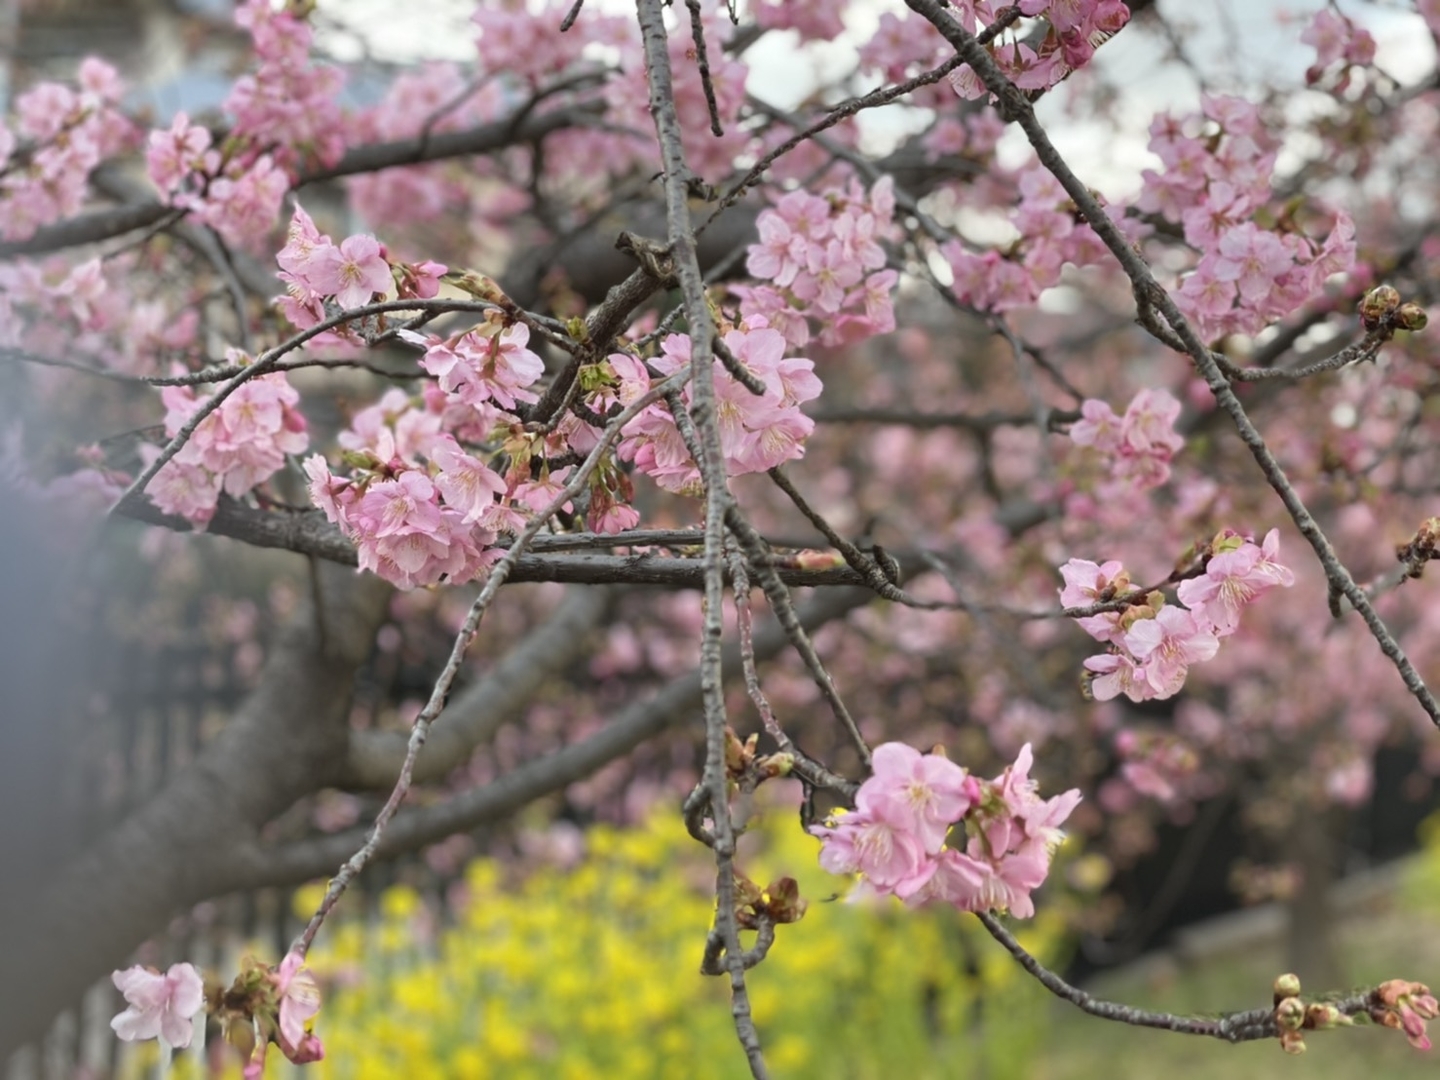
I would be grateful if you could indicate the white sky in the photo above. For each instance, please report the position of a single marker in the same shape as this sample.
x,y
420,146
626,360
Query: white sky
x,y
1236,42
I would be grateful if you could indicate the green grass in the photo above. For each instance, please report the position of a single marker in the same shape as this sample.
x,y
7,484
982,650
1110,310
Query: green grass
x,y
1390,942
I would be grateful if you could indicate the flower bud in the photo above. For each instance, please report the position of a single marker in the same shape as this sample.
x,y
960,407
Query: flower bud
x,y
1378,305
1411,317
783,901
1321,1016
1286,986
1290,1014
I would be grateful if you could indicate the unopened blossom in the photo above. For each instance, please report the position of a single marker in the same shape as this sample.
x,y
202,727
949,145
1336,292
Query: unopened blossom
x,y
159,1005
1406,1006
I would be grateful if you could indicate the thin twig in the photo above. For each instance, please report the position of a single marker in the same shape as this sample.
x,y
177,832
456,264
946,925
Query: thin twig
x,y
1231,1027
711,463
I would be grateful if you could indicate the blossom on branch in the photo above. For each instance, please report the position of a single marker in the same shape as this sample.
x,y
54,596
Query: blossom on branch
x,y
162,1006
905,812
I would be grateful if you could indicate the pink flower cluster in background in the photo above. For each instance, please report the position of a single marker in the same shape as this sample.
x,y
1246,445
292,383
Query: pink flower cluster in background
x,y
1076,28
434,98
239,445
1152,644
1050,237
1136,448
1218,166
284,114
821,255
1337,42
757,431
904,814
66,133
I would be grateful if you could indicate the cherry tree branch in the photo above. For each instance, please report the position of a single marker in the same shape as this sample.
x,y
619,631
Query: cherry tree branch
x,y
100,225
499,697
718,501
1237,1027
307,532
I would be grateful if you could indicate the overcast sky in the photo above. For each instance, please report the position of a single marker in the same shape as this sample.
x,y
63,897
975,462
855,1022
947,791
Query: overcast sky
x,y
1237,42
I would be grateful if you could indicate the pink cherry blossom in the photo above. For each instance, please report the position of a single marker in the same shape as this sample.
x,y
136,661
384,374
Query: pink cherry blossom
x,y
930,788
299,995
352,272
1233,579
1085,581
1168,644
159,1005
872,843
1117,673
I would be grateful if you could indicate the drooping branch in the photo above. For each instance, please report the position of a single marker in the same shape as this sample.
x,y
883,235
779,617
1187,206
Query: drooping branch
x,y
710,460
1235,1027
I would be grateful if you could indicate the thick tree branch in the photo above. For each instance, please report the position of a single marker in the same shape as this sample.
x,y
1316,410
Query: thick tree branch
x,y
255,865
287,740
100,225
308,533
498,698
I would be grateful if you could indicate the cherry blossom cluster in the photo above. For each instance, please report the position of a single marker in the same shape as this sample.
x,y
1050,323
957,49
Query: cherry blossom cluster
x,y
241,444
419,508
1218,167
1339,46
289,102
1076,28
1406,1006
284,114
757,431
821,255
86,311
1136,448
1049,237
813,22
1153,644
1156,764
352,273
435,98
264,1005
60,135
520,42
897,835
